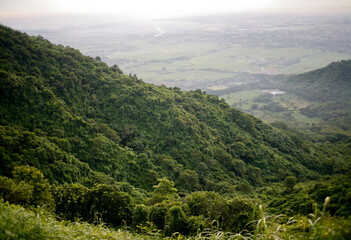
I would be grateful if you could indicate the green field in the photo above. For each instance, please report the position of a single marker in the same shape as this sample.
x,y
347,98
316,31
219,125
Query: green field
x,y
242,98
203,63
289,103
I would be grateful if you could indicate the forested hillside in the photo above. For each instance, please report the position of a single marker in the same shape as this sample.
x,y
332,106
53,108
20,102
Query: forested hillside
x,y
329,90
315,103
322,85
77,120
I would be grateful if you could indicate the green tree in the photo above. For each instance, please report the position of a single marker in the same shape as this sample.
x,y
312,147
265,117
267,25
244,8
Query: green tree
x,y
188,179
238,148
109,203
196,224
116,69
290,182
157,214
238,166
164,190
15,192
254,175
176,220
239,215
41,194
70,200
140,214
208,204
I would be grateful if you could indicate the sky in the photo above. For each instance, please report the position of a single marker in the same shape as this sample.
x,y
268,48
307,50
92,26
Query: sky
x,y
153,9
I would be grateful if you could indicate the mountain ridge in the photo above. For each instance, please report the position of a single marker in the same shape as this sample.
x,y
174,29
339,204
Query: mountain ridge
x,y
324,84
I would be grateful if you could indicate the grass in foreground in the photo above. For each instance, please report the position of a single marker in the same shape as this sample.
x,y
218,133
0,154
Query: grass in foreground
x,y
19,223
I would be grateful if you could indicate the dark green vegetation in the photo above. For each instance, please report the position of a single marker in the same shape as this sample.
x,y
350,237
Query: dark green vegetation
x,y
116,149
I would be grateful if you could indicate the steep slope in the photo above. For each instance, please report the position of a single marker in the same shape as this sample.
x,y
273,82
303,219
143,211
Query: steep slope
x,y
78,120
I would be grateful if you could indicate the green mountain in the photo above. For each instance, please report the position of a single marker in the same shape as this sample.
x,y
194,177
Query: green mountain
x,y
330,83
315,103
78,120
329,91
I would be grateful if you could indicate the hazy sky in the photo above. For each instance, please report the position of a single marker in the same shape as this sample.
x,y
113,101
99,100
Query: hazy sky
x,y
166,8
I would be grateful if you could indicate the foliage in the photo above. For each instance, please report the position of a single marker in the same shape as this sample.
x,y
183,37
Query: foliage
x,y
100,203
15,192
112,205
208,204
302,198
164,190
28,187
70,200
290,182
176,221
140,214
18,223
240,214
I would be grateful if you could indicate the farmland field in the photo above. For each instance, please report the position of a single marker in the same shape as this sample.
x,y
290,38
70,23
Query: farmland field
x,y
286,107
202,64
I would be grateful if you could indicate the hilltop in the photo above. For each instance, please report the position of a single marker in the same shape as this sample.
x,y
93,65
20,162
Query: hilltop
x,y
326,84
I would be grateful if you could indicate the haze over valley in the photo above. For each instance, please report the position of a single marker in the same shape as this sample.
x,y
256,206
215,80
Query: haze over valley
x,y
207,52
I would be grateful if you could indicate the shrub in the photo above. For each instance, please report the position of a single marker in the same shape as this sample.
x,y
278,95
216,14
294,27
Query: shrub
x,y
290,182
140,214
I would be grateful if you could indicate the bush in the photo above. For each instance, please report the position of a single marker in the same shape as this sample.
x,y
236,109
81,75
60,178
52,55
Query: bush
x,y
17,193
240,212
70,200
176,221
41,194
208,204
140,214
290,182
157,214
196,224
108,203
